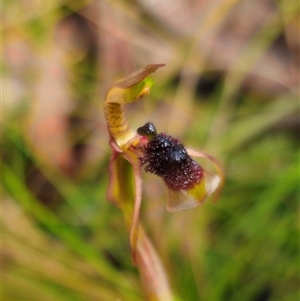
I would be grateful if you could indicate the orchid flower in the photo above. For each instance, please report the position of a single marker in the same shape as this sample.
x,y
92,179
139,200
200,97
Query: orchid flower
x,y
187,183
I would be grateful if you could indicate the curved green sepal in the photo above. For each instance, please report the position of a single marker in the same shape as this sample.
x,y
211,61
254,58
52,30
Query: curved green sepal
x,y
127,90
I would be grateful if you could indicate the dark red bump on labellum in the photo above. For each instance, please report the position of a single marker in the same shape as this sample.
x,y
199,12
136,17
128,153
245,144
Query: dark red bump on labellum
x,y
167,158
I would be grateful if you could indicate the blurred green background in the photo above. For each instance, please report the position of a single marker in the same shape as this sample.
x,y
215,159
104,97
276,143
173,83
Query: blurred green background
x,y
230,88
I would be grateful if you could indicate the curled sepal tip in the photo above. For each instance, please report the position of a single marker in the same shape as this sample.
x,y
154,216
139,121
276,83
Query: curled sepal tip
x,y
137,76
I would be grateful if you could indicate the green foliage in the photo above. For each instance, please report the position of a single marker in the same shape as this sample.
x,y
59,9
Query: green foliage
x,y
63,241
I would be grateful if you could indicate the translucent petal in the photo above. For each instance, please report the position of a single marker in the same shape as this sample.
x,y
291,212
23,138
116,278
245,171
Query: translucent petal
x,y
217,166
186,199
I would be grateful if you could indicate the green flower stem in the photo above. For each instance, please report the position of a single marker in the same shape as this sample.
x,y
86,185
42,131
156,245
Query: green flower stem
x,y
151,270
125,183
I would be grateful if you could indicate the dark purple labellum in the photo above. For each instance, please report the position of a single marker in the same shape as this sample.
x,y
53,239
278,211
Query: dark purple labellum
x,y
167,158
